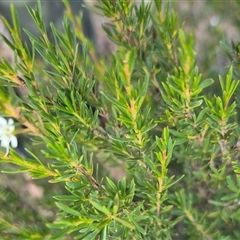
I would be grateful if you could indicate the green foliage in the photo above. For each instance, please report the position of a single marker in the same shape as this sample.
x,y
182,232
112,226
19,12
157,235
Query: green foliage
x,y
145,111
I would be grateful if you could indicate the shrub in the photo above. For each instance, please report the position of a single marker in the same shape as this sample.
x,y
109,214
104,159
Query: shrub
x,y
133,143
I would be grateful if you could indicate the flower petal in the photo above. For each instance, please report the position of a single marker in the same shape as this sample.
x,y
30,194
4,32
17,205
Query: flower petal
x,y
5,142
11,128
10,121
14,141
3,121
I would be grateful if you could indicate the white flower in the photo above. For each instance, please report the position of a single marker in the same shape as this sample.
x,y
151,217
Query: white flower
x,y
6,136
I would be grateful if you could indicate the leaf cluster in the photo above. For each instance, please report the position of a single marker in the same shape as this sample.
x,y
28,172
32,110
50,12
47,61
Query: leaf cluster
x,y
144,110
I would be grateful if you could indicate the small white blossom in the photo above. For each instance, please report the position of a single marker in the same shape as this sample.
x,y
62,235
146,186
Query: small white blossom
x,y
6,137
